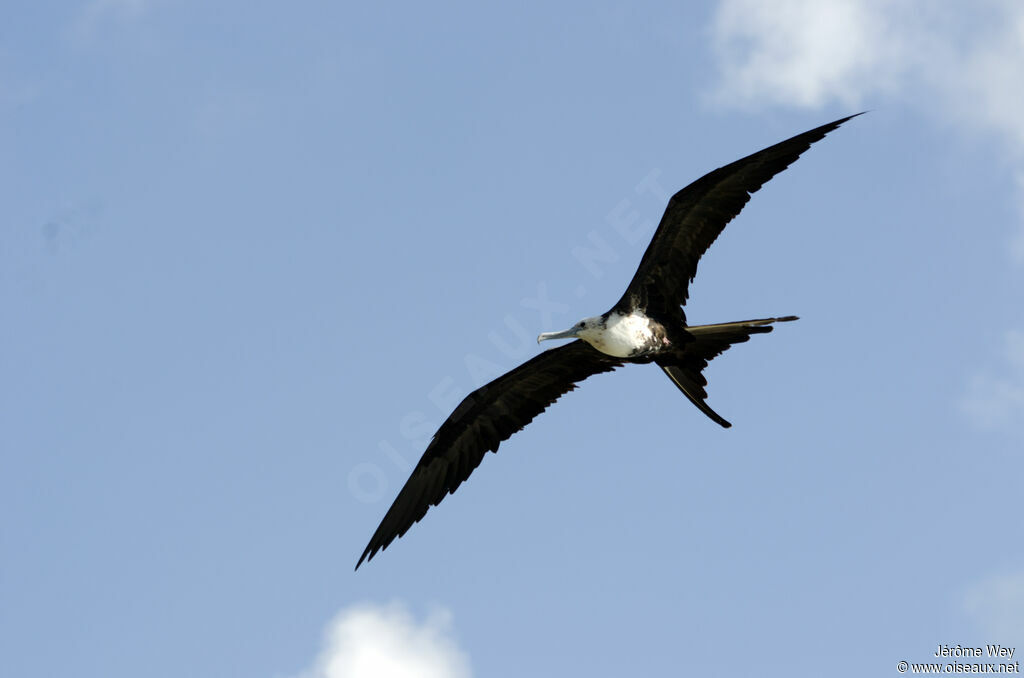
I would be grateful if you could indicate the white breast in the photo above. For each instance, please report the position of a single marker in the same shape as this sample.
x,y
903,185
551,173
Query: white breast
x,y
622,336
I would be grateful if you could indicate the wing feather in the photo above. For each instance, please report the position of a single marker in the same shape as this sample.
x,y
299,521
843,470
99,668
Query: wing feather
x,y
696,215
487,416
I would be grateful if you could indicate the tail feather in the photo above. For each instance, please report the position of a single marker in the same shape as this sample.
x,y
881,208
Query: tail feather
x,y
740,328
694,391
685,369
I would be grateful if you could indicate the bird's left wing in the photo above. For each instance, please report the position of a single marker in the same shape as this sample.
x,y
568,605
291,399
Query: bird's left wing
x,y
479,424
696,215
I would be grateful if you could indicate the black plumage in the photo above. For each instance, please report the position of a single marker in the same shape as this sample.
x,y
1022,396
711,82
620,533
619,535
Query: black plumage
x,y
693,219
696,215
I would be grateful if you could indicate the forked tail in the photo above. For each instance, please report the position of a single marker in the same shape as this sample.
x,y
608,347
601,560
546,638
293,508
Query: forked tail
x,y
685,368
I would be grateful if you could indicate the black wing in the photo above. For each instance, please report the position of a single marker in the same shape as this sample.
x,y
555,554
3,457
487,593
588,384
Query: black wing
x,y
486,417
697,214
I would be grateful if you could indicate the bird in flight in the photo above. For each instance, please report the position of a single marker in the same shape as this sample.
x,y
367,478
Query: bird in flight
x,y
647,325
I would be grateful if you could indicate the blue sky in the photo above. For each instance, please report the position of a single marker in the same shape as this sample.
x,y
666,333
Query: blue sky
x,y
251,253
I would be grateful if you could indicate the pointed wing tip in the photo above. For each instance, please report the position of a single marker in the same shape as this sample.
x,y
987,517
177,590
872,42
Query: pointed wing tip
x,y
840,121
819,133
832,126
368,555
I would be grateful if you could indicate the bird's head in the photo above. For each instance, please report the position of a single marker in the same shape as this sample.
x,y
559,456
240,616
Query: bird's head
x,y
584,329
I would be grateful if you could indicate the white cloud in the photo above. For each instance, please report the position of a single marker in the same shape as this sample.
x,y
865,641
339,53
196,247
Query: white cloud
x,y
996,604
1017,243
954,58
977,80
372,641
995,400
803,52
957,62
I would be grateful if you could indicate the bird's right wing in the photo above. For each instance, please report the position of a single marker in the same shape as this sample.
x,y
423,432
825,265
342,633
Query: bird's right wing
x,y
479,424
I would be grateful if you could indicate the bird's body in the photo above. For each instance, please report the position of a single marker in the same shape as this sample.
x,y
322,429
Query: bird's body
x,y
646,325
621,335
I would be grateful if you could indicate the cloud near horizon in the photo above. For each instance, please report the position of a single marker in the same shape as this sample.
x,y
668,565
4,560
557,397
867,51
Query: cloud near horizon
x,y
385,641
995,398
950,59
997,606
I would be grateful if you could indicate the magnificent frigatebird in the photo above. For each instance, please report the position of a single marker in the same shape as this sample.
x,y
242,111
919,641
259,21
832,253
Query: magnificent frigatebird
x,y
646,325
